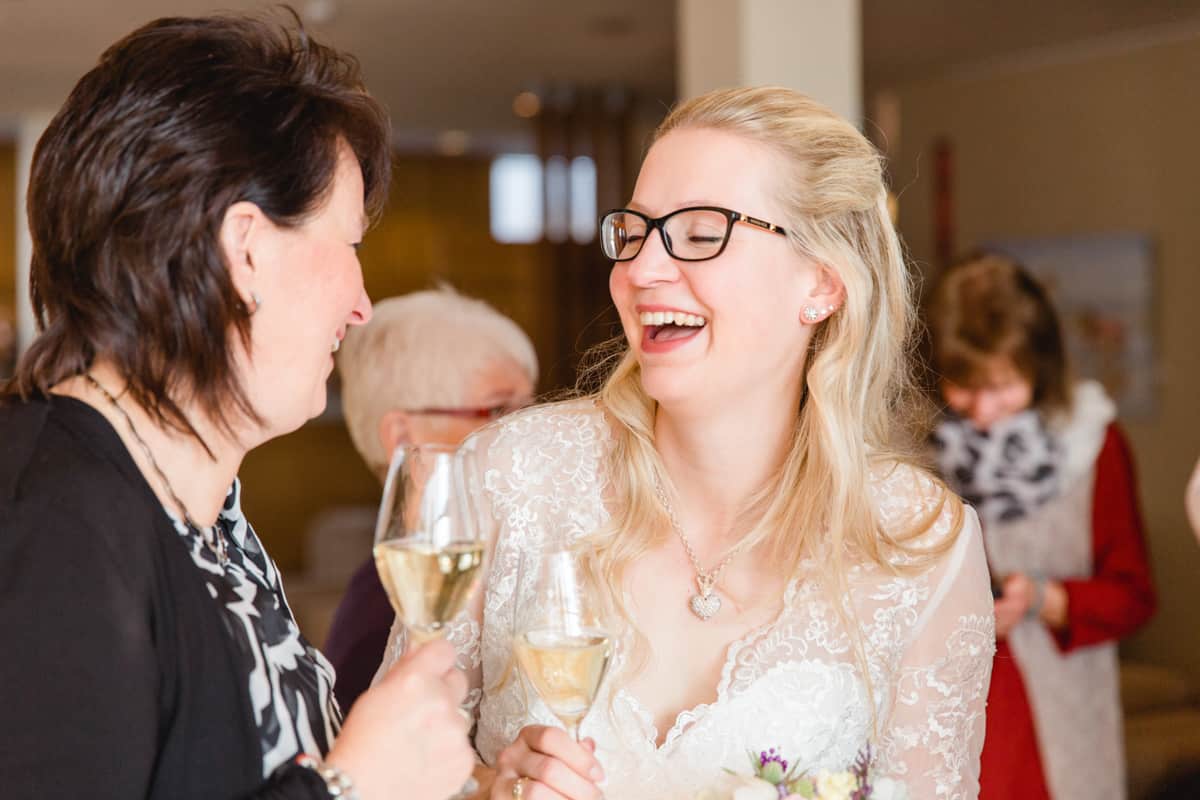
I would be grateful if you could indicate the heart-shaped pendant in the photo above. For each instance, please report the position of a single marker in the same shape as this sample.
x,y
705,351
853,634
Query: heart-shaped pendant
x,y
705,605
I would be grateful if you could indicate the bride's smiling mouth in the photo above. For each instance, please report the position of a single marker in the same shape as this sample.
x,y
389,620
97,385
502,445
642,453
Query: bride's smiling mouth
x,y
665,329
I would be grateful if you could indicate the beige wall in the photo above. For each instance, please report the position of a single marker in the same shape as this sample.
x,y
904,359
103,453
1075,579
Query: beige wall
x,y
1110,142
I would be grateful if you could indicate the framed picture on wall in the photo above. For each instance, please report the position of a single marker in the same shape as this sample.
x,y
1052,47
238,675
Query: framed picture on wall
x,y
1103,286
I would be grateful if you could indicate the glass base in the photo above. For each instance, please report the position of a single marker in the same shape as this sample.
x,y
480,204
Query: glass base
x,y
468,790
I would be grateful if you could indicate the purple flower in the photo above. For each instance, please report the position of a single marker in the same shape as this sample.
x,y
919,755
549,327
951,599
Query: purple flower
x,y
768,756
771,767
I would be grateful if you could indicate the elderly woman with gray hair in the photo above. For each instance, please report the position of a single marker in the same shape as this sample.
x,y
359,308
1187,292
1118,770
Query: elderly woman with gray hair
x,y
430,368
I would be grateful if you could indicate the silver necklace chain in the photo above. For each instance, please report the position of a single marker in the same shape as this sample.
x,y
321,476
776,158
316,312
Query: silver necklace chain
x,y
211,537
706,604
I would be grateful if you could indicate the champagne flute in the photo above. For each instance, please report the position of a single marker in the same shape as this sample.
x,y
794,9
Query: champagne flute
x,y
428,551
561,643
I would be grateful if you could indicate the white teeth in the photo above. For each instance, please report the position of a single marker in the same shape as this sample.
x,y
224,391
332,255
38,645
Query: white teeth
x,y
672,318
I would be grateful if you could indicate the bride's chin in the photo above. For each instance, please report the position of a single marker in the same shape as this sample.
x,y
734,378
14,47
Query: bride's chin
x,y
670,393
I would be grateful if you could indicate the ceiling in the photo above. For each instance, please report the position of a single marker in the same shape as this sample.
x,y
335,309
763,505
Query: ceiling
x,y
436,64
907,39
457,64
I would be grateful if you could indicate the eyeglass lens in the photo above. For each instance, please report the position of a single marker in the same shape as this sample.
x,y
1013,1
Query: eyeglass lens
x,y
694,234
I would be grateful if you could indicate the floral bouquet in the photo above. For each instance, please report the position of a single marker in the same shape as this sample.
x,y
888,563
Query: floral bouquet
x,y
772,780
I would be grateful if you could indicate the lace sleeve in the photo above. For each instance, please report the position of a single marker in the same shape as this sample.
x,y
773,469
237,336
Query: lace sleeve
x,y
933,738
464,631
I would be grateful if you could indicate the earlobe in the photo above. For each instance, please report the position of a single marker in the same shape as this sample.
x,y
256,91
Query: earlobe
x,y
826,297
394,430
239,233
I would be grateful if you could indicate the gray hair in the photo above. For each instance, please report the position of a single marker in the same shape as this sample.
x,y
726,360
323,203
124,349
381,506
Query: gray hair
x,y
419,351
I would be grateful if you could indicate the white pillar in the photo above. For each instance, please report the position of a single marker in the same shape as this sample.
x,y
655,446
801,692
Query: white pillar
x,y
813,46
29,129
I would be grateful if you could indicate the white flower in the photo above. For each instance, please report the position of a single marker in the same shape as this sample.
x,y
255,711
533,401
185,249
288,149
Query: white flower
x,y
739,787
836,785
888,789
755,789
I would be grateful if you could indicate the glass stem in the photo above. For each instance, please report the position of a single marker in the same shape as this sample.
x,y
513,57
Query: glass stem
x,y
420,636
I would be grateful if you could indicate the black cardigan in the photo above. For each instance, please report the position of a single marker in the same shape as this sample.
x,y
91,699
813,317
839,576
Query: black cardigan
x,y
117,676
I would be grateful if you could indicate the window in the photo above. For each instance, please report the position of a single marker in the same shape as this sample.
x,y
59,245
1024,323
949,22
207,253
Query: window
x,y
515,189
558,196
529,200
583,199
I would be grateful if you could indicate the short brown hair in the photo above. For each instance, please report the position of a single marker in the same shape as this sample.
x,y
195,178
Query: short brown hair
x,y
989,306
131,181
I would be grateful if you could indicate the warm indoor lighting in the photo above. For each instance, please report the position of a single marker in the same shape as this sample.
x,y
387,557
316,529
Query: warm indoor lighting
x,y
453,143
526,105
319,12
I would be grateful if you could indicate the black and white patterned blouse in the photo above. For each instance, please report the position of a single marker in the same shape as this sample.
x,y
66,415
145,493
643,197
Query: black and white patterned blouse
x,y
291,683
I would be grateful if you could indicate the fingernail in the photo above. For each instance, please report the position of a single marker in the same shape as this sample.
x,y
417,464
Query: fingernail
x,y
597,773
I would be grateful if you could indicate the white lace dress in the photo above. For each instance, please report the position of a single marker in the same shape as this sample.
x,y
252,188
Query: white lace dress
x,y
792,684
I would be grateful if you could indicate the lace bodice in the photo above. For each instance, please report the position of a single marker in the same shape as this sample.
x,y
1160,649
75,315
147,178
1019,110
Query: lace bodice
x,y
793,684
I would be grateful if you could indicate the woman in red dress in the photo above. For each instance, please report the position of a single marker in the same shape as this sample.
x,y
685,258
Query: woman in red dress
x,y
1051,475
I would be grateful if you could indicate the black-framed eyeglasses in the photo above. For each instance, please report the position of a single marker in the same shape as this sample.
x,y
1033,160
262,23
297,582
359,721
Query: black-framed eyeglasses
x,y
696,233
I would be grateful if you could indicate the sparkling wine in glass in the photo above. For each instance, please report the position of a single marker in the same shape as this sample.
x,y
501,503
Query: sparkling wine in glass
x,y
428,551
561,643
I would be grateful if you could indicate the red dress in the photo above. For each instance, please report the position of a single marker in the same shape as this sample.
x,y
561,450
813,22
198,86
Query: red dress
x,y
1112,604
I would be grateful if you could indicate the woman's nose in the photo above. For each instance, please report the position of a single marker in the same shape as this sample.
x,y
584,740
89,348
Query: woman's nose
x,y
362,311
983,409
653,264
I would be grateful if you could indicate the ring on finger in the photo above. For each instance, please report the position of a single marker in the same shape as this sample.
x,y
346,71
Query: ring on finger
x,y
518,788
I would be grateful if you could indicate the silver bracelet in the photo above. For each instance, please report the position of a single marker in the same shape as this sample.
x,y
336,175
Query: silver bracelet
x,y
337,783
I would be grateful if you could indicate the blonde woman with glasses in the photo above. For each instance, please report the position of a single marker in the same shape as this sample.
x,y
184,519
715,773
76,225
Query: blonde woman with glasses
x,y
776,573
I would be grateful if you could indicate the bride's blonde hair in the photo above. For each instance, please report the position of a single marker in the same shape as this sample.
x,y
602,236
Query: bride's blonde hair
x,y
857,374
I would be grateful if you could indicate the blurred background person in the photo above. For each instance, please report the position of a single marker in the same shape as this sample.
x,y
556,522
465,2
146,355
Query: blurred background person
x,y
430,368
195,208
1046,465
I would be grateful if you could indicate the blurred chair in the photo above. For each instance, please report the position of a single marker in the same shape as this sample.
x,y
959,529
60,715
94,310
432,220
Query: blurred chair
x,y
1162,728
336,542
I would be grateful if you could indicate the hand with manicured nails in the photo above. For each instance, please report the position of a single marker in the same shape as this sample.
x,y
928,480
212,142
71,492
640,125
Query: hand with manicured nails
x,y
406,736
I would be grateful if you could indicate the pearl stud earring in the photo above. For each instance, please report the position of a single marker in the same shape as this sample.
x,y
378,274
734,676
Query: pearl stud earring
x,y
814,314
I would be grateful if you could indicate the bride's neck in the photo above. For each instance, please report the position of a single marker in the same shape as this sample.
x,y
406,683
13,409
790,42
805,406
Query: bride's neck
x,y
717,461
186,478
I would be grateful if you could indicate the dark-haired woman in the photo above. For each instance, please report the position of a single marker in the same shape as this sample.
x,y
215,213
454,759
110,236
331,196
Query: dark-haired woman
x,y
195,208
1051,475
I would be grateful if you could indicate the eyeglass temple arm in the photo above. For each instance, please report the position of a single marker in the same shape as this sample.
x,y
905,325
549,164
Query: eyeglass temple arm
x,y
761,223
